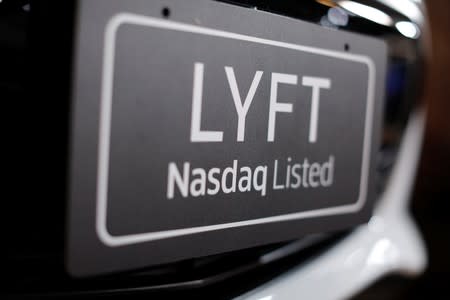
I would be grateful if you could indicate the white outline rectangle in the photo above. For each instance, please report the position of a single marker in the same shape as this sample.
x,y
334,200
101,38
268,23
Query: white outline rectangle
x,y
105,130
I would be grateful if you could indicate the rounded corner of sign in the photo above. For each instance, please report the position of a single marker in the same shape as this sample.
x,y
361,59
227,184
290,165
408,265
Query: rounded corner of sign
x,y
106,237
359,204
369,62
115,21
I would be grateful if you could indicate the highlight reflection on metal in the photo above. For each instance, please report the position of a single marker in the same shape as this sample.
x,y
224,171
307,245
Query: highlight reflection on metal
x,y
407,8
408,29
367,12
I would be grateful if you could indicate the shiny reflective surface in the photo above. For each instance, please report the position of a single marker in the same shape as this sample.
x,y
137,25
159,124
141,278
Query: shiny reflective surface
x,y
389,243
408,29
367,12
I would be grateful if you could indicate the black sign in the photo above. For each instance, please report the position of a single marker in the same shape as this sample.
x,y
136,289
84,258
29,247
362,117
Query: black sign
x,y
214,129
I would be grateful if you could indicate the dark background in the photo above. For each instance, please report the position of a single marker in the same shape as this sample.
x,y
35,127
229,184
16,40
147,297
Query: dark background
x,y
431,198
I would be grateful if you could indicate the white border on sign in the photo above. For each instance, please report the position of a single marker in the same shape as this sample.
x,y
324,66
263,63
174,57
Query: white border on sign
x,y
105,131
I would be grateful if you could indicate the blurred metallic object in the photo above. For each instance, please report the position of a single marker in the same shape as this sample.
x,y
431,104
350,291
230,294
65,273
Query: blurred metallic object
x,y
389,243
